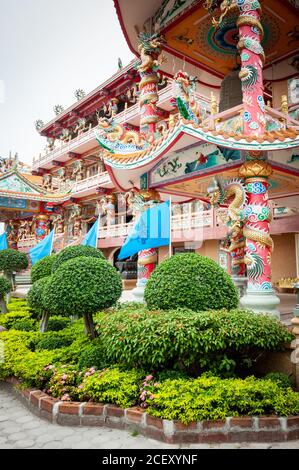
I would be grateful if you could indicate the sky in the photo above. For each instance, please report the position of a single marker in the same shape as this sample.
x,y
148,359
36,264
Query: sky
x,y
48,49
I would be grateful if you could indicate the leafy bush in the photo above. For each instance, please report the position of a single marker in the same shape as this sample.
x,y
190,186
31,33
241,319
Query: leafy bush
x,y
12,260
57,323
22,363
35,296
26,324
222,341
112,386
192,281
9,319
17,304
55,340
209,397
43,268
72,252
81,286
64,383
283,380
92,356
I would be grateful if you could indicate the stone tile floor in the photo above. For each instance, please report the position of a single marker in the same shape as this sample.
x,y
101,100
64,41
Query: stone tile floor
x,y
20,429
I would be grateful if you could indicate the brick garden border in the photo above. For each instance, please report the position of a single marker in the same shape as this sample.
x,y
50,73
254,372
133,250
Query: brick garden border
x,y
240,429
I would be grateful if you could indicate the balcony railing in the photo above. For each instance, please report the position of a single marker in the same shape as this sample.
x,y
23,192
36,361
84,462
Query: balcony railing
x,y
182,224
128,115
100,179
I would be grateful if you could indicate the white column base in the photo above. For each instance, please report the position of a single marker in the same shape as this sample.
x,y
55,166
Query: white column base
x,y
138,293
261,302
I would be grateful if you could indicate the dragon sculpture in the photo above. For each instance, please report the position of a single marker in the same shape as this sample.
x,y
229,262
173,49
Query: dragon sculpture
x,y
187,105
232,192
242,221
117,133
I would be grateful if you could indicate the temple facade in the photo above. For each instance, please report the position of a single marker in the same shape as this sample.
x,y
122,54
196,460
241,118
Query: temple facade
x,y
207,115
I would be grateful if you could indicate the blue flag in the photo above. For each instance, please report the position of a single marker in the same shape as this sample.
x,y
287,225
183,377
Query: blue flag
x,y
42,249
91,238
151,230
3,241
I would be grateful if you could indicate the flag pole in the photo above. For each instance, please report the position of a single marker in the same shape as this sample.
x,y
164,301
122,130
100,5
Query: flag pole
x,y
52,242
170,228
98,230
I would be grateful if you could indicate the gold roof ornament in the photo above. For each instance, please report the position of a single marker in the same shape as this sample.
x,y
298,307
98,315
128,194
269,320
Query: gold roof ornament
x,y
256,169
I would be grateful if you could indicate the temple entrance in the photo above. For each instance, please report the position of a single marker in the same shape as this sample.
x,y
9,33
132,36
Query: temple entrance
x,y
127,268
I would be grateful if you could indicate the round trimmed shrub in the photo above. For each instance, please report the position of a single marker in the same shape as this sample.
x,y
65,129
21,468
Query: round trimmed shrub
x,y
54,341
27,324
43,268
35,296
12,260
82,286
189,280
72,252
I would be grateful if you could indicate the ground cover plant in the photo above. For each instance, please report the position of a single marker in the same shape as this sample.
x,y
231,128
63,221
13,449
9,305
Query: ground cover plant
x,y
70,366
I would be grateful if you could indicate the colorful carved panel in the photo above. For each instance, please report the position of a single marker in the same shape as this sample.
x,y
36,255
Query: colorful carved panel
x,y
193,161
195,37
19,204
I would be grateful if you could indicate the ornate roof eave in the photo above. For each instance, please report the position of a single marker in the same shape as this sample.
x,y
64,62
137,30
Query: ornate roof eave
x,y
270,141
39,193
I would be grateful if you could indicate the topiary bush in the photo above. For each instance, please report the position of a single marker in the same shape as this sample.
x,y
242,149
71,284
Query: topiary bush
x,y
211,398
12,260
57,323
225,342
36,301
5,288
9,319
81,286
71,252
43,268
192,281
26,324
54,340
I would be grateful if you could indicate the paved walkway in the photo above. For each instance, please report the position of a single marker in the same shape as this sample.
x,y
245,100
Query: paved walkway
x,y
20,429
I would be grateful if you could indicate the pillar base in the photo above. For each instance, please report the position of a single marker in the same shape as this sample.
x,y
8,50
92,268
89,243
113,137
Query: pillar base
x,y
241,284
138,293
261,302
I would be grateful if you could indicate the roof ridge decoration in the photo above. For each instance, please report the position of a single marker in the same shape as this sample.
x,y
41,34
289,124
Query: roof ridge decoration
x,y
127,151
16,185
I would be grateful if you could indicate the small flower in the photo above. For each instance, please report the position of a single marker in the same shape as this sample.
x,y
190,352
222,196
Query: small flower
x,y
156,384
80,386
148,378
152,397
65,397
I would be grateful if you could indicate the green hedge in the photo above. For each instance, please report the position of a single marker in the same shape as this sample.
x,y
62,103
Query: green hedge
x,y
189,280
72,252
42,268
113,386
211,398
222,341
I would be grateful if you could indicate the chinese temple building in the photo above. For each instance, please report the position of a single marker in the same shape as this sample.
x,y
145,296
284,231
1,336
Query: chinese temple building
x,y
207,114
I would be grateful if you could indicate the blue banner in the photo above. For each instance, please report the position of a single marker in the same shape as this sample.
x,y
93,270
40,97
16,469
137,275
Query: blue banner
x,y
91,238
3,241
42,249
151,230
